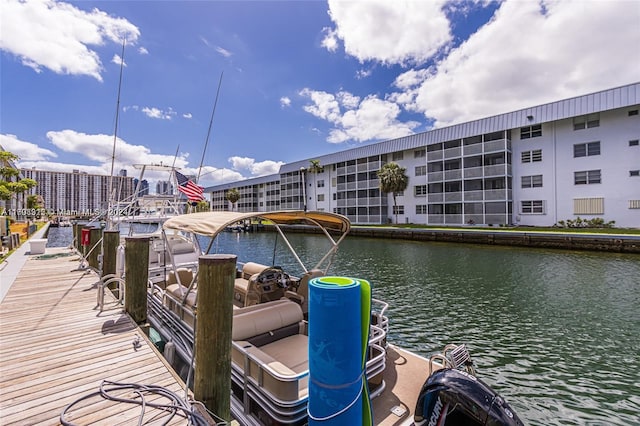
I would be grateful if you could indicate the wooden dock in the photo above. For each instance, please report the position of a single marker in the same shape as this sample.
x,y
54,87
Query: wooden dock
x,y
56,348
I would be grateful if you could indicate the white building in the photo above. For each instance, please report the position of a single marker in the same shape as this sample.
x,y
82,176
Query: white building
x,y
77,192
578,157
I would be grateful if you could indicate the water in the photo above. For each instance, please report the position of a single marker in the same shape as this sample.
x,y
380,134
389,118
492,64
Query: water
x,y
60,236
557,333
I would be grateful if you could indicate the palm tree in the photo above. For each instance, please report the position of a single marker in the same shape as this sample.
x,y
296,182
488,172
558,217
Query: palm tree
x,y
8,172
393,179
233,195
315,168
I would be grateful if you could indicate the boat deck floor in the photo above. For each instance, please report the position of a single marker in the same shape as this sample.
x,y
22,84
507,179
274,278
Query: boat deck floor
x,y
56,348
404,376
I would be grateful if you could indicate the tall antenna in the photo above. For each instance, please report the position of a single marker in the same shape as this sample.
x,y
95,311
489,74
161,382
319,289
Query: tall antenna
x,y
210,125
115,131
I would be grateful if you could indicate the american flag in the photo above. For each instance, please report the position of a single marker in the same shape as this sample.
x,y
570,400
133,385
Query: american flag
x,y
189,188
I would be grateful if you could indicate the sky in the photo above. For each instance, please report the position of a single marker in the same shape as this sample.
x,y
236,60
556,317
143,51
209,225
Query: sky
x,y
292,79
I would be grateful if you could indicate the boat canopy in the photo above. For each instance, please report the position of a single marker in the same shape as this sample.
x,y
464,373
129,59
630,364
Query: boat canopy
x,y
211,224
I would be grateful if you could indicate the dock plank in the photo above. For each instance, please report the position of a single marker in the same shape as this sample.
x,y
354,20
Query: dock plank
x,y
56,347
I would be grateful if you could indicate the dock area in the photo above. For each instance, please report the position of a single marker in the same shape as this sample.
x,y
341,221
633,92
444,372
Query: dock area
x,y
56,349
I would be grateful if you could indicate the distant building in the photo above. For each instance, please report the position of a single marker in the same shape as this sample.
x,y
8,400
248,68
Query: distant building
x,y
144,187
77,192
164,187
578,157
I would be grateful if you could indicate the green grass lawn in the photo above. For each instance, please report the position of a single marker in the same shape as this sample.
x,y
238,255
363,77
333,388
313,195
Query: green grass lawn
x,y
632,231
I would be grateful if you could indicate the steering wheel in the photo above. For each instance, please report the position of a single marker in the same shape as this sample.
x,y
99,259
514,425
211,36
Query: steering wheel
x,y
270,276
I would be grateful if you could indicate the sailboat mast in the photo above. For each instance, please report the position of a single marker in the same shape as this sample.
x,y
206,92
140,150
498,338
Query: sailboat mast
x,y
115,131
215,103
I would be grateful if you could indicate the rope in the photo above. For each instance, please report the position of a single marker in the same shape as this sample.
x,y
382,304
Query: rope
x,y
175,407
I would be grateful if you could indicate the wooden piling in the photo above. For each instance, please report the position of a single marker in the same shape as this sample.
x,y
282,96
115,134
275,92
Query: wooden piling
x,y
110,242
77,231
212,377
94,248
136,272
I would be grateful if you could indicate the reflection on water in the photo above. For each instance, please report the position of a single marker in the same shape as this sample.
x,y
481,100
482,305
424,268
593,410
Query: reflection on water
x,y
555,332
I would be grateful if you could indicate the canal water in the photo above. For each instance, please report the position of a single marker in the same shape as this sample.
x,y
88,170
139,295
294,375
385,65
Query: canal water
x,y
557,333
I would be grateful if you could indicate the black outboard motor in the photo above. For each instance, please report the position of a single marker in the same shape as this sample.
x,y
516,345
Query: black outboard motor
x,y
453,397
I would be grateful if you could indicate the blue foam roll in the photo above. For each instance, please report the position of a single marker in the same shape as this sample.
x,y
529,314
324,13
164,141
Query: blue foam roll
x,y
335,352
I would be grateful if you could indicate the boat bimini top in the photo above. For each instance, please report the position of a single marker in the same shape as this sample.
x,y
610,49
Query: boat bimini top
x,y
210,224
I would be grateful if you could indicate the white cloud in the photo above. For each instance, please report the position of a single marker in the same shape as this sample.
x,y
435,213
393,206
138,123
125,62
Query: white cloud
x,y
222,51
143,51
153,112
27,151
117,59
530,53
285,101
353,119
187,115
58,36
256,169
330,40
99,148
360,74
390,32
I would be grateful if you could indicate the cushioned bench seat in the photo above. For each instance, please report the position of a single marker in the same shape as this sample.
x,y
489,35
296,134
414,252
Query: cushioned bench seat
x,y
268,342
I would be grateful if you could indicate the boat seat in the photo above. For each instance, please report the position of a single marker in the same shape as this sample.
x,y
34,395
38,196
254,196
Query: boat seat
x,y
182,276
241,284
268,340
301,295
174,295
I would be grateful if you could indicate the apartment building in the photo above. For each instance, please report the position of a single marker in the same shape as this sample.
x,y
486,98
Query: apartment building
x,y
577,157
77,192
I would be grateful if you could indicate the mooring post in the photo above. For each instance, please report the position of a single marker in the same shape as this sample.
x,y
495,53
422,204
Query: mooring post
x,y
212,377
110,242
77,231
136,273
94,247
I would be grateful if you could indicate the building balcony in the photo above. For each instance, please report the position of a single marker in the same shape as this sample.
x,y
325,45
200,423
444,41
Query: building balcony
x,y
434,155
497,146
497,195
435,176
473,172
473,195
453,174
453,152
435,198
452,196
476,148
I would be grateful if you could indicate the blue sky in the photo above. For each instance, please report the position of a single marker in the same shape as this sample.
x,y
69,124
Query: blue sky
x,y
300,79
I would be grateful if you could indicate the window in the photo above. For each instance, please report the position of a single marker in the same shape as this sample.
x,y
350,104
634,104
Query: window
x,y
397,156
421,170
532,207
531,156
320,197
586,149
398,209
586,177
531,131
634,173
321,183
586,121
588,205
419,153
634,142
421,209
420,190
633,112
534,181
